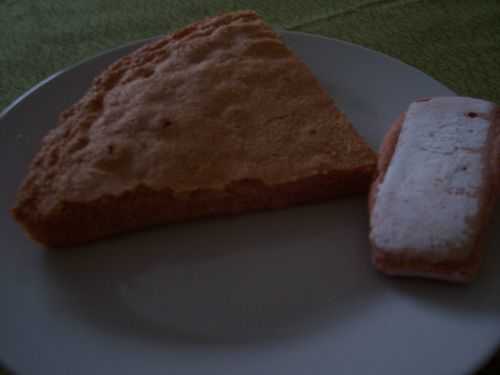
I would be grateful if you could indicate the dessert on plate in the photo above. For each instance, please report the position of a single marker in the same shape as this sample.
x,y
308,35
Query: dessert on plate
x,y
217,118
437,181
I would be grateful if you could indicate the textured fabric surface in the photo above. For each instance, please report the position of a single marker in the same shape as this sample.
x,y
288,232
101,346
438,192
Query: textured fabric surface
x,y
455,41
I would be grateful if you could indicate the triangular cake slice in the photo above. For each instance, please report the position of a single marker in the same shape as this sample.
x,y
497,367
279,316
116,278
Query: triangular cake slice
x,y
217,118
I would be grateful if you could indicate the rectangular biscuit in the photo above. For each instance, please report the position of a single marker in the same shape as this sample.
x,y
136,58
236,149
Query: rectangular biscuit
x,y
437,181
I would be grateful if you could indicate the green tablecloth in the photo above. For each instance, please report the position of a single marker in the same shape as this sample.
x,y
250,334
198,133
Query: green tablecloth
x,y
455,41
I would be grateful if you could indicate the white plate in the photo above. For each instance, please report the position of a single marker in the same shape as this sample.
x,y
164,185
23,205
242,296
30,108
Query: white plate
x,y
288,292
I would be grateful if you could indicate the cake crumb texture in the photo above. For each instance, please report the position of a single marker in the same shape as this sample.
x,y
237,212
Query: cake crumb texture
x,y
219,117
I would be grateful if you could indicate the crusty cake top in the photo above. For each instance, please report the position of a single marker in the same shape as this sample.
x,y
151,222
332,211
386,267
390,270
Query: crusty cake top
x,y
219,101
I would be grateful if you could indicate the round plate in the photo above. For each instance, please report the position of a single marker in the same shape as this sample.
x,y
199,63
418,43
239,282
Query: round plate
x,y
285,292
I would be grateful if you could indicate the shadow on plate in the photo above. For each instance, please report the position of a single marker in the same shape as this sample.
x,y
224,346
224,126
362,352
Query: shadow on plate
x,y
249,279
236,281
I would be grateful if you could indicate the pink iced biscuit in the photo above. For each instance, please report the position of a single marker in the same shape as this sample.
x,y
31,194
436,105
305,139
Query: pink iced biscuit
x,y
438,177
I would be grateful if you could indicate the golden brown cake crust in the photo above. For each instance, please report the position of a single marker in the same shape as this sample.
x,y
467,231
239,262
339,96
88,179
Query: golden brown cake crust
x,y
221,102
